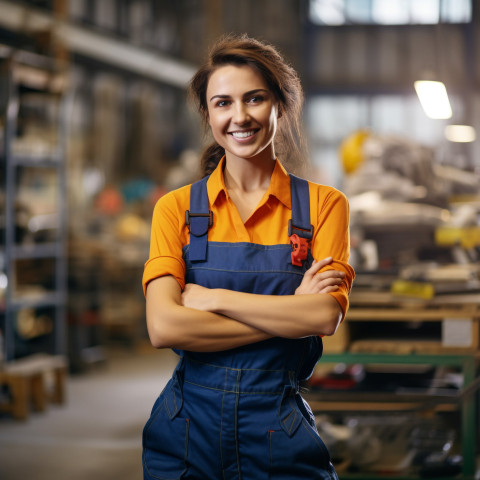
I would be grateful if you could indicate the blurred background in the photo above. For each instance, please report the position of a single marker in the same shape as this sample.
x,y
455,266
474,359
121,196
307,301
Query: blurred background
x,y
95,126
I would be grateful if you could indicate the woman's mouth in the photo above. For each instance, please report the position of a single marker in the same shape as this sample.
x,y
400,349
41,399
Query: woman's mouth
x,y
243,135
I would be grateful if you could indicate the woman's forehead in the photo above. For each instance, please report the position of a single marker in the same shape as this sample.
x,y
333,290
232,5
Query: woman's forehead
x,y
232,79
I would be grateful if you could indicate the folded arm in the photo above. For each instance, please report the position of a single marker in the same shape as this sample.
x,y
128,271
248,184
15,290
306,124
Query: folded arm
x,y
208,320
172,325
311,311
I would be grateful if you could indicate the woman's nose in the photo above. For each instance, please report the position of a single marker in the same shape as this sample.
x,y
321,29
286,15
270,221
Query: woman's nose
x,y
240,114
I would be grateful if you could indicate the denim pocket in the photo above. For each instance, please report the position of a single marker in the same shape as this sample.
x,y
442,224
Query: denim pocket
x,y
295,449
165,436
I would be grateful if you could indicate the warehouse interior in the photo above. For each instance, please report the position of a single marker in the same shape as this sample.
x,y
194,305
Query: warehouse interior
x,y
95,126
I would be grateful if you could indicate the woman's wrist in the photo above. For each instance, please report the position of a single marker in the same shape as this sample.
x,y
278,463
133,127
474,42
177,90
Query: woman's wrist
x,y
218,300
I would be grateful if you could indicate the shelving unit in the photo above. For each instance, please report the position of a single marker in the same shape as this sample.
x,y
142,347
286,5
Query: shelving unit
x,y
465,401
25,74
369,311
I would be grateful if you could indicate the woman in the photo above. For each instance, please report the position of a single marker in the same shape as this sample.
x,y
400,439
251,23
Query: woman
x,y
233,286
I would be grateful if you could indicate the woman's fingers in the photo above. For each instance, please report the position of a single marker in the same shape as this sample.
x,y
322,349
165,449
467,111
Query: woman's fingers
x,y
332,288
315,281
333,279
318,265
328,284
330,274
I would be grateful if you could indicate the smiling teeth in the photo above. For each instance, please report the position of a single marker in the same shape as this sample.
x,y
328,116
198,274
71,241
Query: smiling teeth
x,y
243,134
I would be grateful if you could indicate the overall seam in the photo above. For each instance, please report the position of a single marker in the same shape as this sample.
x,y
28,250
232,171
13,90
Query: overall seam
x,y
308,429
221,367
237,396
221,427
277,271
232,391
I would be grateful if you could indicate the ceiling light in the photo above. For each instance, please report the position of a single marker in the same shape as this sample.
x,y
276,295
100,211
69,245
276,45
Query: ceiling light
x,y
434,99
460,133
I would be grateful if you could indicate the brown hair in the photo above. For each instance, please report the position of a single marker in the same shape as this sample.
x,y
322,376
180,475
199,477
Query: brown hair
x,y
280,77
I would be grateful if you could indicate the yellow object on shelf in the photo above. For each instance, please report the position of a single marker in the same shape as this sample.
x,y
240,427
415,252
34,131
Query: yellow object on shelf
x,y
408,288
466,237
351,150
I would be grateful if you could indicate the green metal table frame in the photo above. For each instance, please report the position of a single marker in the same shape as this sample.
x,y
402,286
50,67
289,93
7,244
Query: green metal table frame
x,y
466,362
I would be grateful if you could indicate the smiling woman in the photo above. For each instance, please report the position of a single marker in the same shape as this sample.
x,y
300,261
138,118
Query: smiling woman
x,y
242,113
281,82
248,268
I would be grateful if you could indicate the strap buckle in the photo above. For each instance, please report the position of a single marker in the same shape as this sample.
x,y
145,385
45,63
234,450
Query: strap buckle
x,y
301,232
189,215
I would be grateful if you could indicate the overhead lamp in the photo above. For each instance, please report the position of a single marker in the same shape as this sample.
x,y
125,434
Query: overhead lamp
x,y
460,133
434,99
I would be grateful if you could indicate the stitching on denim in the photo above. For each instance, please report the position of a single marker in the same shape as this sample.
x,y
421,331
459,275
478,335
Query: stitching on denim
x,y
192,360
237,387
276,271
165,403
174,401
289,422
254,246
316,438
232,391
144,449
270,446
187,438
221,430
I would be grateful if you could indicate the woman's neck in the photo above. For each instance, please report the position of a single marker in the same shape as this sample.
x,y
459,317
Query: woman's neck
x,y
248,174
246,181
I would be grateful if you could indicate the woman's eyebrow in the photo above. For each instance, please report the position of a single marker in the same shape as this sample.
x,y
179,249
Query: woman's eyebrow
x,y
246,94
253,92
219,96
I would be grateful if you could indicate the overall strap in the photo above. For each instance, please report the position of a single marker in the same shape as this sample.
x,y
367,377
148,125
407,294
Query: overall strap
x,y
199,219
300,230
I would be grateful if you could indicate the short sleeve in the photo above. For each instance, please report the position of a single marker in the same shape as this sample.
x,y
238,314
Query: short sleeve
x,y
166,242
332,239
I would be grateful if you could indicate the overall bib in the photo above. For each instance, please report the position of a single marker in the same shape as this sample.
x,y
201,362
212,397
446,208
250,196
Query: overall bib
x,y
237,414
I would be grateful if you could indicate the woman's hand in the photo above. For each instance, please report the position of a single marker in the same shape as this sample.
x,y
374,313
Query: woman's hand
x,y
323,282
198,297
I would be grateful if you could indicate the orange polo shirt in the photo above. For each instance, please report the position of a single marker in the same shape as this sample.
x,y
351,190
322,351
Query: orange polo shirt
x,y
268,225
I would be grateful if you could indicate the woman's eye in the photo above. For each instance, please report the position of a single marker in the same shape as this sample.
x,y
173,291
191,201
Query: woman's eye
x,y
256,99
222,103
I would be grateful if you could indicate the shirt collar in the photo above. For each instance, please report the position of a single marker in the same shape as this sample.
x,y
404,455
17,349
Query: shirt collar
x,y
279,184
216,183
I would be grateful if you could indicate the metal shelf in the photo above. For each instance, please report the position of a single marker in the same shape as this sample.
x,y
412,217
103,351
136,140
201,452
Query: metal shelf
x,y
13,163
412,359
53,299
47,250
465,398
42,161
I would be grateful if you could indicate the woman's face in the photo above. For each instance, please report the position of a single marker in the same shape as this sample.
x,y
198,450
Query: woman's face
x,y
242,112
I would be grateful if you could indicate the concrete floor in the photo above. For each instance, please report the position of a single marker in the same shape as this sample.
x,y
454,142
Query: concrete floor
x,y
97,433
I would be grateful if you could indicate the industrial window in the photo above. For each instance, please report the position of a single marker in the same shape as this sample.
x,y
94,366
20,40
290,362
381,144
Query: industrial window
x,y
389,12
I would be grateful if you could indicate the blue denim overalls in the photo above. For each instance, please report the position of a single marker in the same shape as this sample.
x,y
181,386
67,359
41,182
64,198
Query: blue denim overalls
x,y
238,414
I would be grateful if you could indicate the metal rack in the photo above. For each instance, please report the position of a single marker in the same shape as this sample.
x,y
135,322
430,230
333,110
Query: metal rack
x,y
465,400
24,70
371,308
